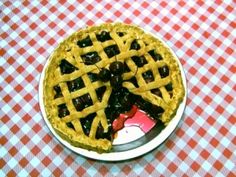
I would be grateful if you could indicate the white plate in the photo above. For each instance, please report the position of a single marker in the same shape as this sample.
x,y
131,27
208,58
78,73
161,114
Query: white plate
x,y
132,149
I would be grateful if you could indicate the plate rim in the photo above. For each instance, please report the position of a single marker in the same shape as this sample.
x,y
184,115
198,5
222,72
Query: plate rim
x,y
129,154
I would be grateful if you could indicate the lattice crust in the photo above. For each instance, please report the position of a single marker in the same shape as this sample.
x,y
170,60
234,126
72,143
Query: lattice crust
x,y
123,37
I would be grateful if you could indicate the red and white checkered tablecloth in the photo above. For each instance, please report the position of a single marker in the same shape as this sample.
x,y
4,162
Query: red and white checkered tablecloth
x,y
202,34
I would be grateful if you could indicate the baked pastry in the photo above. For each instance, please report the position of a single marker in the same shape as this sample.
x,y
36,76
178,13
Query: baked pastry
x,y
102,71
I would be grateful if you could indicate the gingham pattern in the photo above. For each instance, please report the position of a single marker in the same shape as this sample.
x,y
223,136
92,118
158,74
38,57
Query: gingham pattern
x,y
203,35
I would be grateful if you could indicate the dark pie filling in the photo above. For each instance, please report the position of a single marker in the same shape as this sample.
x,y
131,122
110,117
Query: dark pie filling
x,y
62,110
93,77
85,42
100,92
82,102
58,92
139,61
148,76
70,125
157,92
103,36
164,71
120,34
66,67
121,100
126,68
135,45
90,58
169,88
86,123
133,80
100,132
112,50
156,56
75,84
153,110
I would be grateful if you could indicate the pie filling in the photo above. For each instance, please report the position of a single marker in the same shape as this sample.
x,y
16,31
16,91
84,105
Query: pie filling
x,y
121,100
110,89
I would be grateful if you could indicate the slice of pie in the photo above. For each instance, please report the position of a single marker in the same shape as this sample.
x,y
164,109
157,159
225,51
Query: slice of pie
x,y
100,72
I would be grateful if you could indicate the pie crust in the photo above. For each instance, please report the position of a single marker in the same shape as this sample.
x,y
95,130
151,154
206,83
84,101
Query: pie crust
x,y
119,40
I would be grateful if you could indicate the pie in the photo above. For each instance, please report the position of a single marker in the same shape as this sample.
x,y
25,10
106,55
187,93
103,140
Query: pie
x,y
102,71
